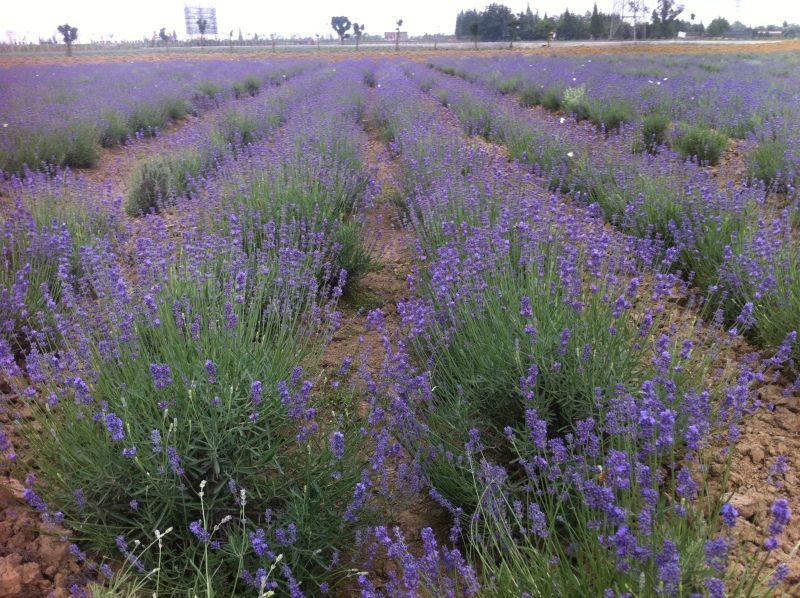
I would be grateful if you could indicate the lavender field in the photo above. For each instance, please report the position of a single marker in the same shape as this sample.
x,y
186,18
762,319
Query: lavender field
x,y
469,325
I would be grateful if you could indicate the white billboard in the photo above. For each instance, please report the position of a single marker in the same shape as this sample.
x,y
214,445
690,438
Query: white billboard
x,y
195,13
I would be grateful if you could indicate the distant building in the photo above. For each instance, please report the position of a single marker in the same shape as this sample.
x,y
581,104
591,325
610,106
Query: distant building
x,y
393,35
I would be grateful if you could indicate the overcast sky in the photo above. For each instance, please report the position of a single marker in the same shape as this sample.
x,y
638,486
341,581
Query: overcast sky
x,y
136,18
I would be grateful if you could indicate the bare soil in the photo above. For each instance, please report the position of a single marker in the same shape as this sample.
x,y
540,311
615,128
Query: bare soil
x,y
8,58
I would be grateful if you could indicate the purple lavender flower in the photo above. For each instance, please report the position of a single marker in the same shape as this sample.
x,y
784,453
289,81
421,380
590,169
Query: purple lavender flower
x,y
155,440
174,460
196,527
259,544
715,587
287,536
114,426
255,392
729,514
669,567
162,375
716,551
337,445
34,500
525,307
211,370
75,551
781,514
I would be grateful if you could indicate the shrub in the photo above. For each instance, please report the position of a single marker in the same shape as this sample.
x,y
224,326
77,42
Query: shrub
x,y
509,86
549,157
114,129
200,422
443,97
151,184
551,98
654,131
352,254
427,83
767,163
146,119
31,278
237,128
250,86
700,143
475,116
162,178
530,96
575,102
369,78
208,94
610,115
79,145
174,109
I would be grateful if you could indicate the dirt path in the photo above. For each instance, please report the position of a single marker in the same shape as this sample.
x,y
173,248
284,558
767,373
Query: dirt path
x,y
384,287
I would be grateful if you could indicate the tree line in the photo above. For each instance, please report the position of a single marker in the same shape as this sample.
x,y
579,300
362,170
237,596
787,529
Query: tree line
x,y
497,22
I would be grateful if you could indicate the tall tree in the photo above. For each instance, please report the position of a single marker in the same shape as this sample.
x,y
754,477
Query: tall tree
x,y
70,34
637,7
464,23
495,22
596,23
474,31
358,32
513,31
397,35
665,14
163,35
718,27
341,25
202,25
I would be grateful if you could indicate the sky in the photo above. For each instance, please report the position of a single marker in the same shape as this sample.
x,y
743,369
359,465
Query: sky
x,y
132,20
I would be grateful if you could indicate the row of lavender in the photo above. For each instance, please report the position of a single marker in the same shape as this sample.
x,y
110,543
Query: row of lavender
x,y
745,97
163,406
62,115
553,406
53,217
740,252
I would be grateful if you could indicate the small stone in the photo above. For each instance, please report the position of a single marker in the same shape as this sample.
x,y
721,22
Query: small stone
x,y
745,504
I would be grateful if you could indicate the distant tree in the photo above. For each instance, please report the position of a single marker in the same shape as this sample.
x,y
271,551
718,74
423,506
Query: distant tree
x,y
230,41
528,24
595,24
637,7
571,26
341,25
272,37
397,35
464,22
474,31
513,31
664,16
718,27
358,32
241,39
70,34
202,25
163,35
496,22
